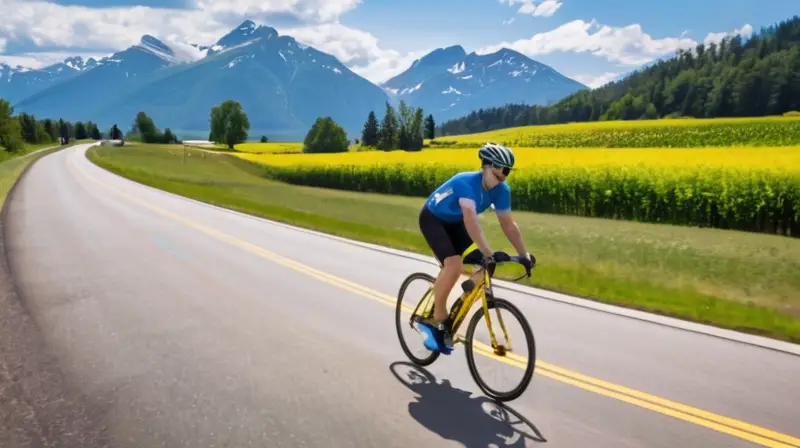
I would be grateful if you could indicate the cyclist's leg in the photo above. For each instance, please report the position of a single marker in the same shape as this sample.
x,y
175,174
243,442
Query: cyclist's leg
x,y
470,254
439,237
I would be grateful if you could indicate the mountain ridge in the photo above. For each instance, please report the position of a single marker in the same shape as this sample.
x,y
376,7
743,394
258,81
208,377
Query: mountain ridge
x,y
448,82
294,84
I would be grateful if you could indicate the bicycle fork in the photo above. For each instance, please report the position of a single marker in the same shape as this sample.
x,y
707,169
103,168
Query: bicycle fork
x,y
499,349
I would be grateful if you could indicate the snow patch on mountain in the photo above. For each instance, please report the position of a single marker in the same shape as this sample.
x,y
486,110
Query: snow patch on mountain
x,y
154,46
456,68
411,90
453,83
239,59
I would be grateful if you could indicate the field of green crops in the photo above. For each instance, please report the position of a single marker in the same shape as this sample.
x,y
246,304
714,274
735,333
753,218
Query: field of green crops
x,y
666,133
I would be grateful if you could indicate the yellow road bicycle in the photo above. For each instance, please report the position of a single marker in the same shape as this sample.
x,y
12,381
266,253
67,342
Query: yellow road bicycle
x,y
458,312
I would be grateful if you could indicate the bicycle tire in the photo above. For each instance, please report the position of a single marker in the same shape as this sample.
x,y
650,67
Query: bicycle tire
x,y
399,321
473,370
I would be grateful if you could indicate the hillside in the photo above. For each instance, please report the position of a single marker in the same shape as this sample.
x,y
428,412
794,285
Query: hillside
x,y
17,83
757,77
282,86
449,83
82,96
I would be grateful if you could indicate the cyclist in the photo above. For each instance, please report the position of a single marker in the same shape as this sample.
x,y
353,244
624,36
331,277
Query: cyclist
x,y
449,223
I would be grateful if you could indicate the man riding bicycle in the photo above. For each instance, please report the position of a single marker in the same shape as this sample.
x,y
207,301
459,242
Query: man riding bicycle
x,y
449,223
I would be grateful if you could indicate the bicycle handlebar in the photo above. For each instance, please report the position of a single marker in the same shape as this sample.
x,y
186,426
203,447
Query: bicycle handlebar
x,y
502,257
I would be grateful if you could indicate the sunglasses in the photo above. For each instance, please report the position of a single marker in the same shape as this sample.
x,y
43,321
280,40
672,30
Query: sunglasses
x,y
506,170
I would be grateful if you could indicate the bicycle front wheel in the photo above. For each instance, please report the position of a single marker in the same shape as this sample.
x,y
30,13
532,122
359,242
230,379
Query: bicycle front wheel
x,y
415,305
525,360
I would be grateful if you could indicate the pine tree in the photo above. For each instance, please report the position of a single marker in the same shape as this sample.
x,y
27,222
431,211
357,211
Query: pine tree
x,y
415,131
389,134
80,131
369,136
430,127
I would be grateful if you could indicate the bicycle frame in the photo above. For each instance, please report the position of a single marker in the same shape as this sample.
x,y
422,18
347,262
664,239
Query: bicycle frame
x,y
481,289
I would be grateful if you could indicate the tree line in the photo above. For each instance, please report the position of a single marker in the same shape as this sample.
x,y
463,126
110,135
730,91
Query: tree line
x,y
145,130
404,129
18,130
734,78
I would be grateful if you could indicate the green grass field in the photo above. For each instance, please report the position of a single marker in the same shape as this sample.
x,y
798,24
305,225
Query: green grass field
x,y
735,280
26,149
11,169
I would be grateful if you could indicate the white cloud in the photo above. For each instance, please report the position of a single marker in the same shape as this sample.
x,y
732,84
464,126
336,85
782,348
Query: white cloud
x,y
2,44
595,81
385,67
56,25
545,9
51,24
357,49
117,28
509,21
627,45
185,52
745,31
309,10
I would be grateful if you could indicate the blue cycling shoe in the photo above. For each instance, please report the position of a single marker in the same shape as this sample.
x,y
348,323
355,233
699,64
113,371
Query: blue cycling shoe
x,y
436,337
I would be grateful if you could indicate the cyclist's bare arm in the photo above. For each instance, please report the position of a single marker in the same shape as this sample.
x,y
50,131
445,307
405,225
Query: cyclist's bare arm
x,y
473,226
512,232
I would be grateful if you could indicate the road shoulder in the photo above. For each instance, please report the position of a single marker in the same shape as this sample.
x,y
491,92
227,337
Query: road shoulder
x,y
37,405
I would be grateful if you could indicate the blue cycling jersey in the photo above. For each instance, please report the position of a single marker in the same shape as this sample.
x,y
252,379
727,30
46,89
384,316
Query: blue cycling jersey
x,y
443,202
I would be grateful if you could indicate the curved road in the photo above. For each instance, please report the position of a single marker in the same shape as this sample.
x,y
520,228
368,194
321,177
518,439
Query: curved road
x,y
187,325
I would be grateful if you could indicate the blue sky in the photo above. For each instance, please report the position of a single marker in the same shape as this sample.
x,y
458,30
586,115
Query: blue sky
x,y
592,41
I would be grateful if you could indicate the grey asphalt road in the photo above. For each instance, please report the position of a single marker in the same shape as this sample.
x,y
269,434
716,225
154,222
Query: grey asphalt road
x,y
186,325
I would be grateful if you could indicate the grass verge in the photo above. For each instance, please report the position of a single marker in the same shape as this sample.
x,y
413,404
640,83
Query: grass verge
x,y
735,280
11,169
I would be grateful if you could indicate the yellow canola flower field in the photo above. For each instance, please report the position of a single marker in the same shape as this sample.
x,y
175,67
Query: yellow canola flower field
x,y
270,147
673,133
750,188
782,158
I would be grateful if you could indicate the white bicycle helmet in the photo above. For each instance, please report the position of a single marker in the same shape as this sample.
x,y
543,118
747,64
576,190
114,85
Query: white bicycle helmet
x,y
498,155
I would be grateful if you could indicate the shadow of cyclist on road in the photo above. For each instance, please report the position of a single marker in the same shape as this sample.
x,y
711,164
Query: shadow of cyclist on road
x,y
455,414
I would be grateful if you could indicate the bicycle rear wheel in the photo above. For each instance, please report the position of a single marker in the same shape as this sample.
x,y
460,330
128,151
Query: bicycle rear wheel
x,y
427,356
525,360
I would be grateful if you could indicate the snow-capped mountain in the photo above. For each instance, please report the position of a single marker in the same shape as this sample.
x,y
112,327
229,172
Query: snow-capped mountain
x,y
450,83
19,82
246,33
282,84
100,81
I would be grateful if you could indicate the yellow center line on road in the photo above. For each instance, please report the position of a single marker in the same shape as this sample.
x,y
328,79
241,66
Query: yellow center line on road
x,y
737,428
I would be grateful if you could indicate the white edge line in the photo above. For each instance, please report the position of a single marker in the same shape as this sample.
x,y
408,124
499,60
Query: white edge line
x,y
744,338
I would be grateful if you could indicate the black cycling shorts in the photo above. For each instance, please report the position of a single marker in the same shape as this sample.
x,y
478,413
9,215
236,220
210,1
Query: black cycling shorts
x,y
447,239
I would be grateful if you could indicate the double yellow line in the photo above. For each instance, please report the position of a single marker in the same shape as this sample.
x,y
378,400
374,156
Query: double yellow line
x,y
737,428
